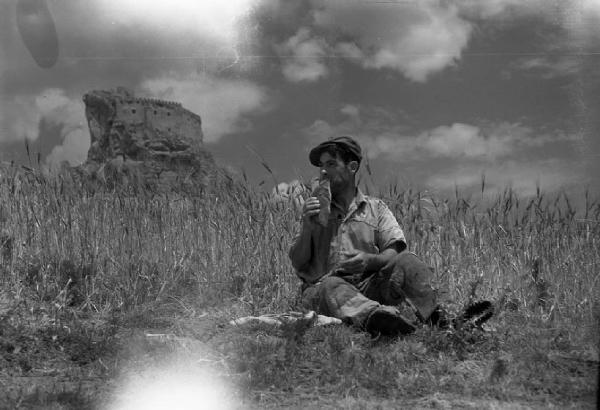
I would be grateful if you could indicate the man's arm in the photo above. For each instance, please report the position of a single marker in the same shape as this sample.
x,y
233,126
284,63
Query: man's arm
x,y
301,250
389,232
389,237
378,261
362,262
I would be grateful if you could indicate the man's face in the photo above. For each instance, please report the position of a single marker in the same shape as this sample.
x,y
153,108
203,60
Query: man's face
x,y
340,174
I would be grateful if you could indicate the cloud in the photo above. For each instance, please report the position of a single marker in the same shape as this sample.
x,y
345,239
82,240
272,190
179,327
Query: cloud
x,y
24,115
69,113
73,149
302,57
350,110
548,67
459,154
462,140
414,40
523,177
419,39
19,119
493,141
383,135
221,103
565,49
504,9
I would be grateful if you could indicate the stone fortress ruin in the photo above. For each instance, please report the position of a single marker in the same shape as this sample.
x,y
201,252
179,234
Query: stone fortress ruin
x,y
152,138
160,115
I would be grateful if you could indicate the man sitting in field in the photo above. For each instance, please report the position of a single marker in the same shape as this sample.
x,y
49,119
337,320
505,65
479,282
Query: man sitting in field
x,y
355,266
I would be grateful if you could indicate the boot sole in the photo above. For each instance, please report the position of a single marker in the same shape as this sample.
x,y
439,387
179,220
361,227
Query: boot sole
x,y
388,324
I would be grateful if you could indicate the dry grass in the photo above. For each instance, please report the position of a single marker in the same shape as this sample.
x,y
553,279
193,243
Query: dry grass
x,y
131,257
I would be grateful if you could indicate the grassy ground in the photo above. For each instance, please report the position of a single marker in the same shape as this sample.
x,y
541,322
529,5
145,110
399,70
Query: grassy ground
x,y
108,291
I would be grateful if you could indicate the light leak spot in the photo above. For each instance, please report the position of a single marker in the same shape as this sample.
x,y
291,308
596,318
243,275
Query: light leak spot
x,y
173,388
216,19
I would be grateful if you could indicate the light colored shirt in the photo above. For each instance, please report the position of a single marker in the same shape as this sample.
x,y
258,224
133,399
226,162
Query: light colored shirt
x,y
369,226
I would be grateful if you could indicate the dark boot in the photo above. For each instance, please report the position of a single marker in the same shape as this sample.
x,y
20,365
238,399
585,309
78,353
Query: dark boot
x,y
475,314
388,321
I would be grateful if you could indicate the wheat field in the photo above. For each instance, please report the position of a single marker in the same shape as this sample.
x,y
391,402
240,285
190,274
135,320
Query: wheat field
x,y
101,260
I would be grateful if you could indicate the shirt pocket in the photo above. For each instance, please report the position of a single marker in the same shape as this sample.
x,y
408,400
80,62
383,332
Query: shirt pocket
x,y
361,233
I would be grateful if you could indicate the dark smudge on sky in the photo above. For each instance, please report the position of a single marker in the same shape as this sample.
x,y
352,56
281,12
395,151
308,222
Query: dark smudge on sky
x,y
38,31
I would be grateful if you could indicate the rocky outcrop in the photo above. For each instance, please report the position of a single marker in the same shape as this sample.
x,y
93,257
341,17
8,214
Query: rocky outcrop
x,y
157,141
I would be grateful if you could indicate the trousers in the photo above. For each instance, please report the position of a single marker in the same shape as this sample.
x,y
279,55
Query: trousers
x,y
405,280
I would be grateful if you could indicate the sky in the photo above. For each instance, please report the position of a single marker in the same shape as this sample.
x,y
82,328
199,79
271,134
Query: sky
x,y
439,93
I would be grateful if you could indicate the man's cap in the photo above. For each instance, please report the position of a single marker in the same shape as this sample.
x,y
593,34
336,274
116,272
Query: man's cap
x,y
345,142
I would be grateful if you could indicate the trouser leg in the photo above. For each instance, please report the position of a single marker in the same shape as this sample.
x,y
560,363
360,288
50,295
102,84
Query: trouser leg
x,y
406,279
334,296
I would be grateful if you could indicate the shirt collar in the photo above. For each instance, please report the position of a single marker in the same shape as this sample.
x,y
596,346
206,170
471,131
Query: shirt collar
x,y
357,201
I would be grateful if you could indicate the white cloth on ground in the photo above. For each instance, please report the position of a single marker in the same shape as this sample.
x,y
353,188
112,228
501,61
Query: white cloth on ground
x,y
279,319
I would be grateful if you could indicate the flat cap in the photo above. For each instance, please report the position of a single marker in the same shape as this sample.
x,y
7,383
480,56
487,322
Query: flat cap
x,y
346,143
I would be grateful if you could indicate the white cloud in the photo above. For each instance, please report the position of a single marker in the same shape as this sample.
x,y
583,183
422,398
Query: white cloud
x,y
415,40
350,51
565,52
382,135
523,177
19,119
419,39
303,56
508,154
222,104
22,118
59,109
550,67
73,149
350,110
460,140
504,9
425,48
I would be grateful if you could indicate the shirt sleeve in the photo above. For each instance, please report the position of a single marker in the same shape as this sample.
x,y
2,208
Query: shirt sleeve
x,y
388,229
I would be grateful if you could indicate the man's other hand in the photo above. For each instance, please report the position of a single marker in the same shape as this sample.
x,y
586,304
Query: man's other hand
x,y
356,263
310,209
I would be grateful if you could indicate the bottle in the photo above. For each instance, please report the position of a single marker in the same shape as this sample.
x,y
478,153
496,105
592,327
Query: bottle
x,y
322,191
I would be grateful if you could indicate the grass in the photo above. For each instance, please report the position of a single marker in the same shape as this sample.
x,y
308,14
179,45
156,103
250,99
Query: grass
x,y
88,271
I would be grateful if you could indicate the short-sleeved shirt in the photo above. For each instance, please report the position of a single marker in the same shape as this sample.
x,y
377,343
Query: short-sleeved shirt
x,y
368,226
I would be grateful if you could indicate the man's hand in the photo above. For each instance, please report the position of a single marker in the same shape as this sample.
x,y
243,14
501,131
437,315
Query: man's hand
x,y
310,209
356,263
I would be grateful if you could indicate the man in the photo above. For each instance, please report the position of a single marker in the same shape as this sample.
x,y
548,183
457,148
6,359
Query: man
x,y
357,268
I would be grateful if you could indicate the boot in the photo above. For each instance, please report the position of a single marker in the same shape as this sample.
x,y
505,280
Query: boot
x,y
388,321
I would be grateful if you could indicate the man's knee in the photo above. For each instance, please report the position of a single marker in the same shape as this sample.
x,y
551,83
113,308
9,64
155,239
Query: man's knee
x,y
413,279
409,258
336,291
412,267
316,295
